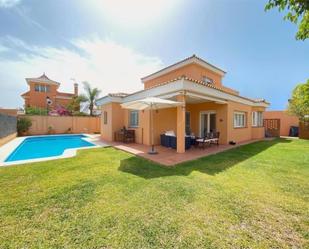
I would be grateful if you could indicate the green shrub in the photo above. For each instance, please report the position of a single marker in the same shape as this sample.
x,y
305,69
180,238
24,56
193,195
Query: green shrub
x,y
77,113
36,111
23,125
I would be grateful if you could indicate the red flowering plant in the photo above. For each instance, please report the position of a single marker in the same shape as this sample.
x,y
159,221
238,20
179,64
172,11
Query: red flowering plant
x,y
60,111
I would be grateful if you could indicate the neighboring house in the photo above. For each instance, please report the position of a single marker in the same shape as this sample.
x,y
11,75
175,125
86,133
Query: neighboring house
x,y
280,121
43,93
7,111
208,106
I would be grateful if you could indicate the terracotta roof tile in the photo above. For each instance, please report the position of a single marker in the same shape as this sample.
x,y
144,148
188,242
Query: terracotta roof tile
x,y
184,60
204,84
43,79
65,94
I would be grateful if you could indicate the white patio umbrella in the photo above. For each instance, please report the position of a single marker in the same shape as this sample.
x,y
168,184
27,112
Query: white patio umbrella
x,y
151,103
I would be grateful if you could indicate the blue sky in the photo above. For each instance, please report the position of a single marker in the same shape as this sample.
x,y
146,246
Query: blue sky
x,y
113,43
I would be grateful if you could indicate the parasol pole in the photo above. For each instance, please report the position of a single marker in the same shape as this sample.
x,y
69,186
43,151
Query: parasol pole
x,y
152,150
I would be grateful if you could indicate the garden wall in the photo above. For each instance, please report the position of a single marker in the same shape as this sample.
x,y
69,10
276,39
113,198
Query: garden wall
x,y
11,112
62,124
286,120
7,128
304,129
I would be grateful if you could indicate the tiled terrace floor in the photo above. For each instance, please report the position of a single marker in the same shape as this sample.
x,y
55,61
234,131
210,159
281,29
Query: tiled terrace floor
x,y
168,156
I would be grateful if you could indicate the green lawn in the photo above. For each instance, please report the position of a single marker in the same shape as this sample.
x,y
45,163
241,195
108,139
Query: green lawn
x,y
255,196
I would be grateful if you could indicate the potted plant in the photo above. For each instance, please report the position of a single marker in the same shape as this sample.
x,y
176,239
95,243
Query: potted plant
x,y
50,130
23,125
69,131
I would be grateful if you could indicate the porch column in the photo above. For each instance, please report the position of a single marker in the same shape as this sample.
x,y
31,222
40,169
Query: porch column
x,y
181,124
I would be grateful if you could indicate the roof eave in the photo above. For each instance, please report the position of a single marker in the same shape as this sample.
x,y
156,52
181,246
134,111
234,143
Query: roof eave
x,y
180,84
108,99
187,61
40,81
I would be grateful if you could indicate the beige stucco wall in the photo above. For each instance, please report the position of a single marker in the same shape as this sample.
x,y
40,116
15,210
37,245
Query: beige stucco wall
x,y
61,125
245,133
193,71
115,120
238,134
257,132
106,129
163,119
221,117
166,119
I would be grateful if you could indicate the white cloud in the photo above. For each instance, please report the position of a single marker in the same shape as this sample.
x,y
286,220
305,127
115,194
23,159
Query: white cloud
x,y
134,13
23,12
8,3
3,48
104,63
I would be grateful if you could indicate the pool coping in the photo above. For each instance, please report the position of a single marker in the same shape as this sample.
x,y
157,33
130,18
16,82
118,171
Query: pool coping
x,y
9,147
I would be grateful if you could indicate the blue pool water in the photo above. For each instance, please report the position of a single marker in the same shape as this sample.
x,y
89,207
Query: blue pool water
x,y
46,146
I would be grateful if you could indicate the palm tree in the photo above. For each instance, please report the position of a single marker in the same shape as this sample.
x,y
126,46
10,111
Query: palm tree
x,y
90,96
75,103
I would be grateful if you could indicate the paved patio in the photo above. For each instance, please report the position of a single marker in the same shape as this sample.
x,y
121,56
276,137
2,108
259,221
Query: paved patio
x,y
169,156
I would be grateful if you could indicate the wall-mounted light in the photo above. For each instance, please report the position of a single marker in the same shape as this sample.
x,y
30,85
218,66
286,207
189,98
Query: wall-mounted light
x,y
48,101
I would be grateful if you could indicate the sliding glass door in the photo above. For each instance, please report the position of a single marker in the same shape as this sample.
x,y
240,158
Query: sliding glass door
x,y
207,122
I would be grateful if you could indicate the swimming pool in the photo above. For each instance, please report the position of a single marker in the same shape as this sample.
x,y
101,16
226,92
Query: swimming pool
x,y
47,146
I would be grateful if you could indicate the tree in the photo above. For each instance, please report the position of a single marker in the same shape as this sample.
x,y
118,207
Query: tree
x,y
90,96
74,105
299,103
296,9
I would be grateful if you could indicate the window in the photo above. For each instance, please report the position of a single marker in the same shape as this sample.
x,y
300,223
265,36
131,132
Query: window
x,y
239,119
41,88
257,119
207,80
105,117
133,119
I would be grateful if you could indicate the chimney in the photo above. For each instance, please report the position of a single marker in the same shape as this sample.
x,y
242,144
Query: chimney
x,y
75,89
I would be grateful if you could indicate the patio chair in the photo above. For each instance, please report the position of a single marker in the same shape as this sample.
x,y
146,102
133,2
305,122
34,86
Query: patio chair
x,y
129,136
202,142
215,138
125,136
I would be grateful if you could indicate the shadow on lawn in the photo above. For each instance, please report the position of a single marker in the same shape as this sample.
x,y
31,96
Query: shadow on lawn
x,y
210,165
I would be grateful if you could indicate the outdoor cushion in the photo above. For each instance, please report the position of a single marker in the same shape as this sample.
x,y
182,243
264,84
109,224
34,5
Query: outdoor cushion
x,y
163,140
173,142
170,133
201,140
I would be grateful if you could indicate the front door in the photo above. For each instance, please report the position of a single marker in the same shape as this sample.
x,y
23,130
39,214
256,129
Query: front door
x,y
207,122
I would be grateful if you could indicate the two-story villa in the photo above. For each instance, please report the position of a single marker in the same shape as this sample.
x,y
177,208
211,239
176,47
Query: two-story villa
x,y
43,93
207,106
